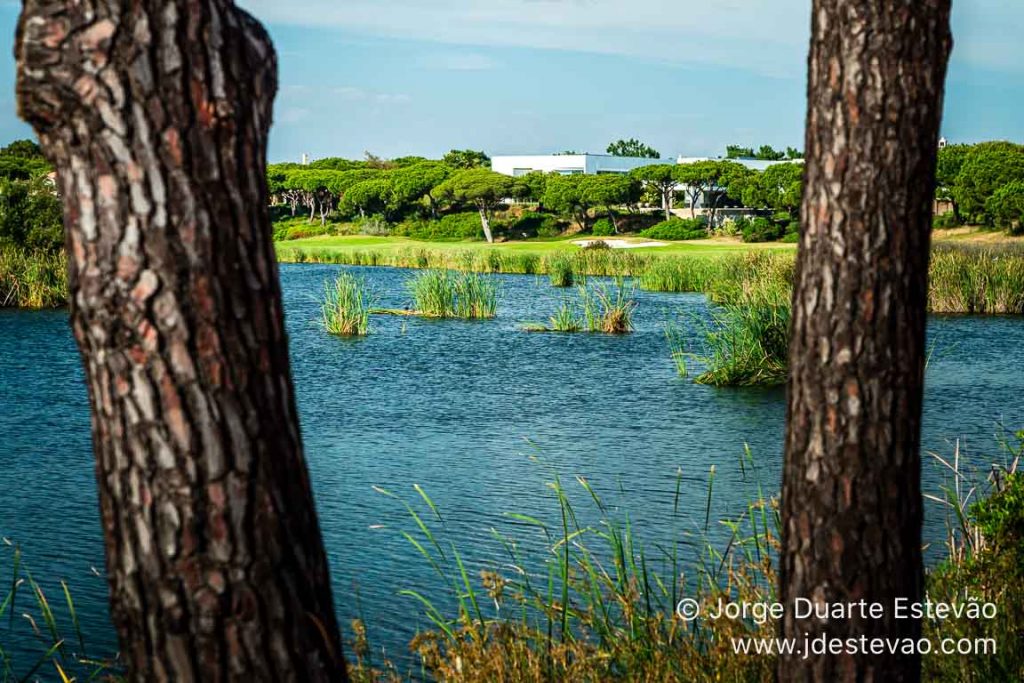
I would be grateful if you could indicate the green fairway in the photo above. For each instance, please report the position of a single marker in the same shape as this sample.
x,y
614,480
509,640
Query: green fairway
x,y
342,244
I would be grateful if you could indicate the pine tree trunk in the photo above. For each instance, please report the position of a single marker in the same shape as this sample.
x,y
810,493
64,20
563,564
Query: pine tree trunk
x,y
156,117
485,223
851,500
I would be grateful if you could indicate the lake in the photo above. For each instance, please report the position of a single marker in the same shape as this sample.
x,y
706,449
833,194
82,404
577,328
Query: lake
x,y
482,416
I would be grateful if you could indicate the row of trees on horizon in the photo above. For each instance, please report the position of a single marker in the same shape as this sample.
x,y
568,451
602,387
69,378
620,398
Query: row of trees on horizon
x,y
984,183
981,184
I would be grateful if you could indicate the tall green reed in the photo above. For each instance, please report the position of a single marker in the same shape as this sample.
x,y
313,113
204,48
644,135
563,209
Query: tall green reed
x,y
32,279
447,294
345,310
61,652
746,342
601,606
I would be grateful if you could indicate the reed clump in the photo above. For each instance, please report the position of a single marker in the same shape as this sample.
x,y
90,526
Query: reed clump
x,y
32,279
746,342
448,294
983,562
346,307
599,307
60,652
566,319
608,309
980,280
560,270
601,607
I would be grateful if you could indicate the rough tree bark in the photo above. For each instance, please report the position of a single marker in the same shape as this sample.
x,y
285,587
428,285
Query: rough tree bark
x,y
851,500
156,114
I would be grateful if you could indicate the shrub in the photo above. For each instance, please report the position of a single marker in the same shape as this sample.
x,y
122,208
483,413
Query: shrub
x,y
373,225
346,307
298,228
534,223
603,228
740,224
304,230
678,229
945,220
763,230
730,228
454,226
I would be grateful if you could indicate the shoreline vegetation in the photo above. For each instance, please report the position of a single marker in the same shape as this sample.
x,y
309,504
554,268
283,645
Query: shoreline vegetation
x,y
602,605
966,278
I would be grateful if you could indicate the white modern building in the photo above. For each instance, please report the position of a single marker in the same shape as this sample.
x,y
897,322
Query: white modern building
x,y
570,164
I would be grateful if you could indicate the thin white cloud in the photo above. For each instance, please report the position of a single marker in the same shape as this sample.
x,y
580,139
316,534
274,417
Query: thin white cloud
x,y
293,115
765,36
457,61
768,36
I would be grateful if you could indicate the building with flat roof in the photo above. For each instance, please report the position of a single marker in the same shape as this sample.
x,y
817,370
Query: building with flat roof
x,y
570,164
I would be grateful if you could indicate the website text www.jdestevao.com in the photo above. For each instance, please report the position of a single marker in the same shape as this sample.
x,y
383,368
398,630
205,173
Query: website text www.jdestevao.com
x,y
820,644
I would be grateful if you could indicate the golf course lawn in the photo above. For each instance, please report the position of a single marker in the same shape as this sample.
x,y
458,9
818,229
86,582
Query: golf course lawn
x,y
540,247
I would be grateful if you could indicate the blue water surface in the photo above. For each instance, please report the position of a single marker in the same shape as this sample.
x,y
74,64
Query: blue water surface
x,y
483,417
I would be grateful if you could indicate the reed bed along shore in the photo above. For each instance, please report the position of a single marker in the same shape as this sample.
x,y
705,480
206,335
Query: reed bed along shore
x,y
32,279
964,279
605,607
980,280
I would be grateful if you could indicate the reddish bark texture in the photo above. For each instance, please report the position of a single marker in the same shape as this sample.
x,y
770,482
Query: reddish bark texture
x,y
851,501
156,116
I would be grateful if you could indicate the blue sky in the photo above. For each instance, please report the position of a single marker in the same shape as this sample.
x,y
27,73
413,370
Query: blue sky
x,y
523,76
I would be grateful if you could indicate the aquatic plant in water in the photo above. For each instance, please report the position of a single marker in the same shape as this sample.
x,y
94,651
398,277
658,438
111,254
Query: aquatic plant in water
x,y
598,308
447,294
560,271
745,344
345,310
608,309
61,655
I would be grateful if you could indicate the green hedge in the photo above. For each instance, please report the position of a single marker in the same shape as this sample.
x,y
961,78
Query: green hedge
x,y
454,226
532,223
946,220
678,229
761,229
603,228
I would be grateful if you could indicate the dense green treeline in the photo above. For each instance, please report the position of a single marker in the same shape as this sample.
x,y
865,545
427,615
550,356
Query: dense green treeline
x,y
30,211
413,196
983,185
417,197
32,264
